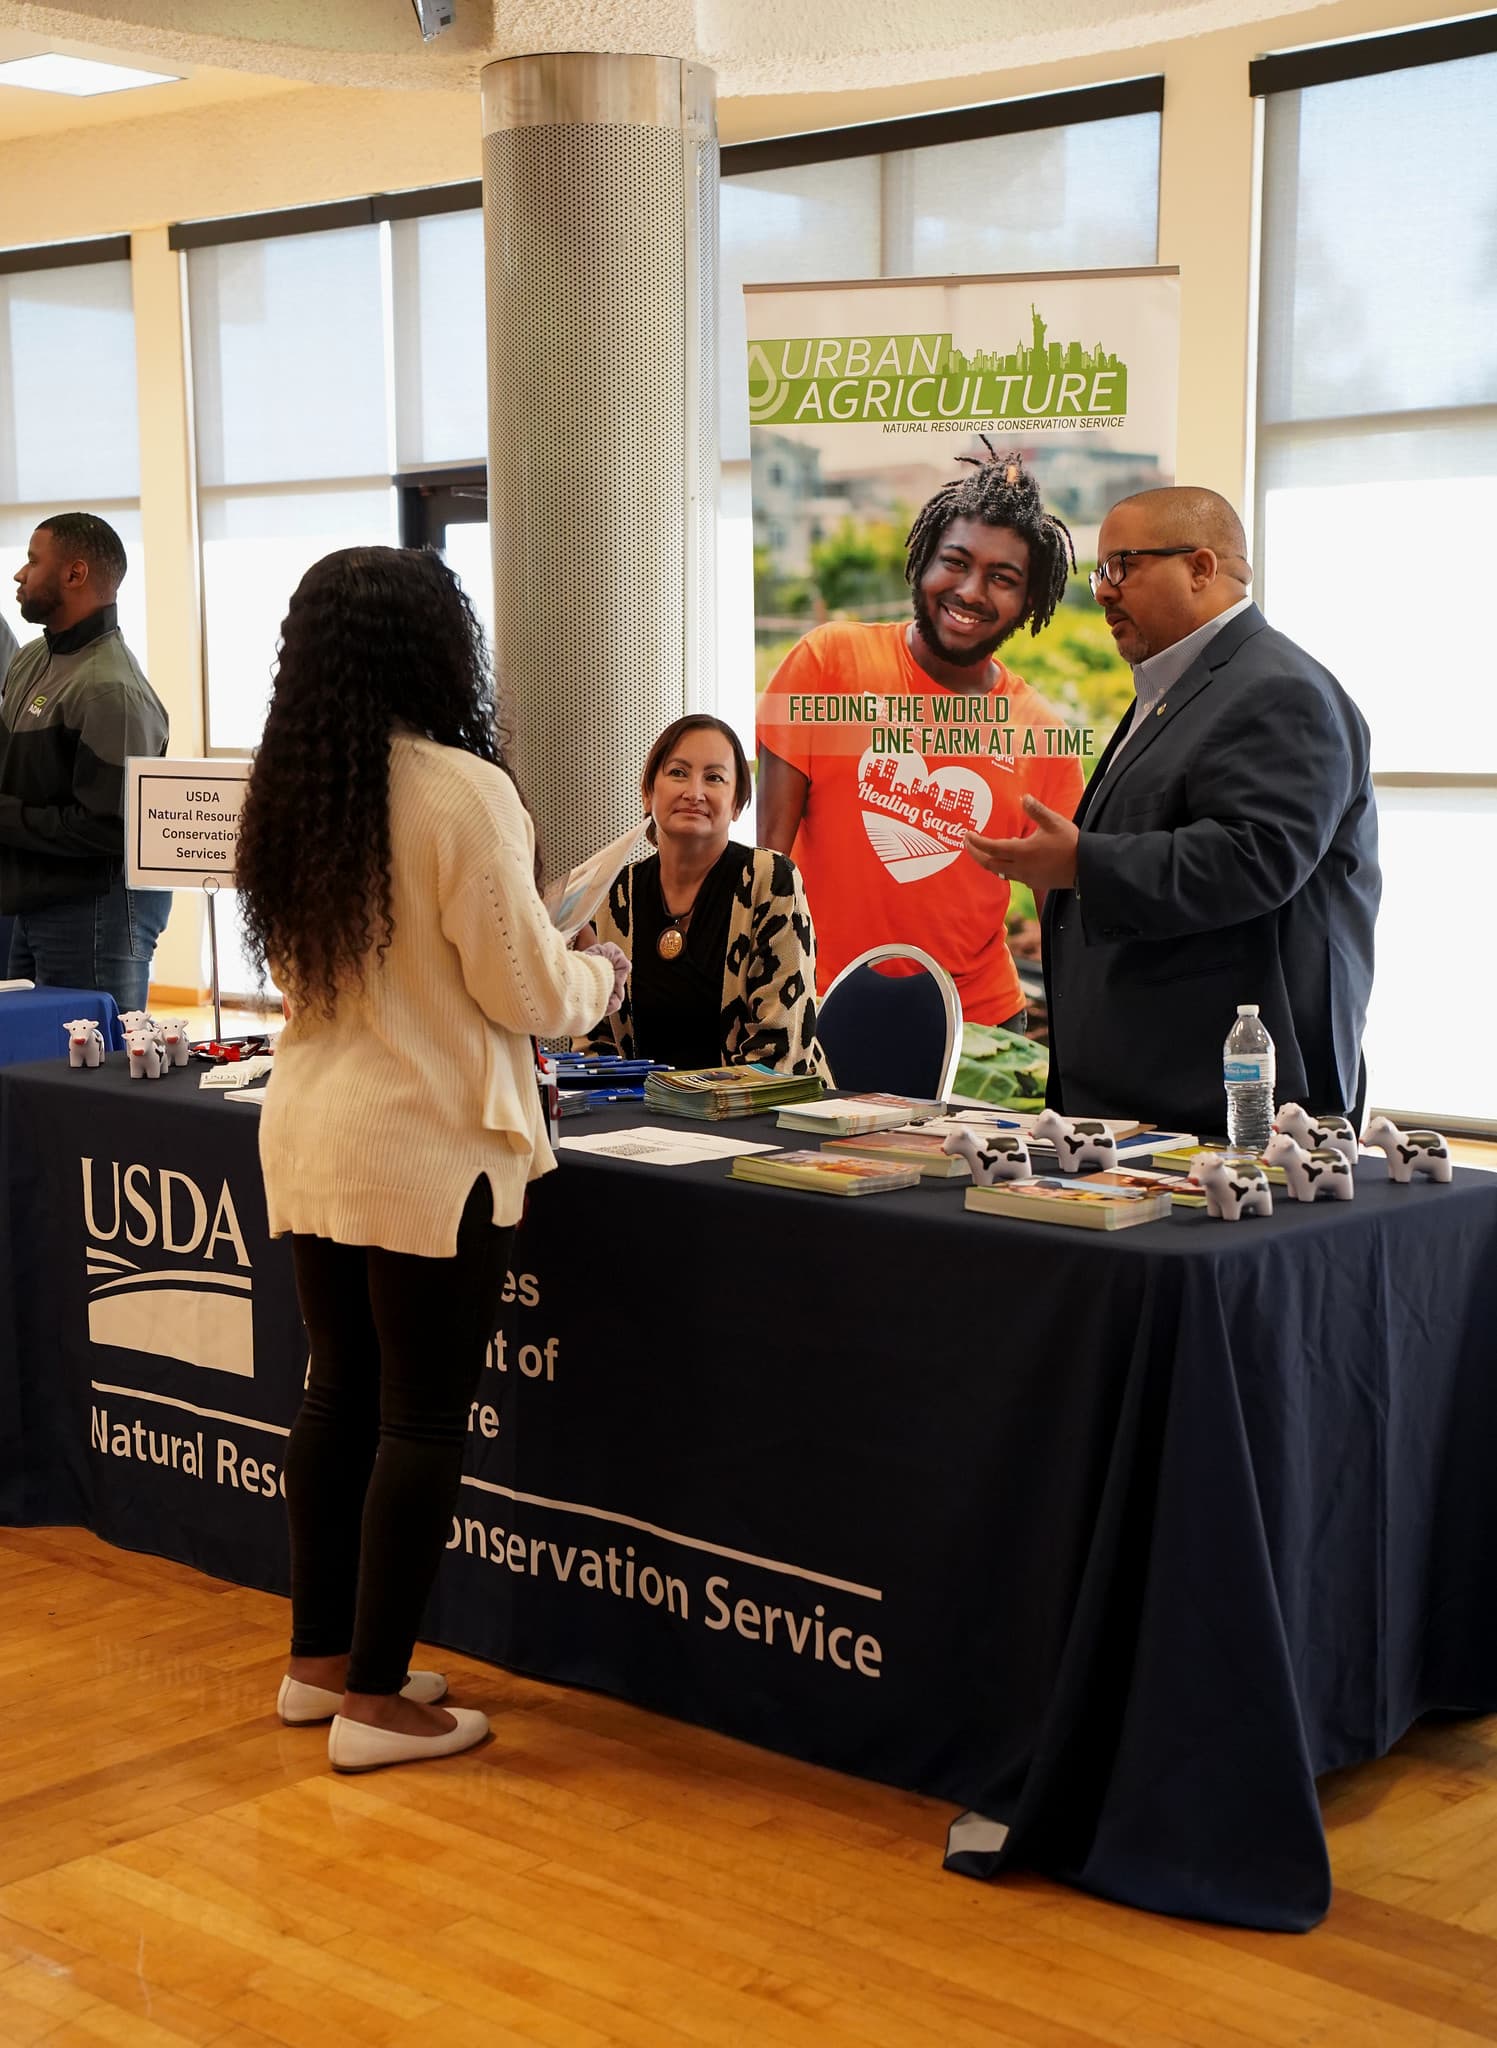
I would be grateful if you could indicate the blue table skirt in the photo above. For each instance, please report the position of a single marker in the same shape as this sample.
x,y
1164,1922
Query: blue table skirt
x,y
32,1021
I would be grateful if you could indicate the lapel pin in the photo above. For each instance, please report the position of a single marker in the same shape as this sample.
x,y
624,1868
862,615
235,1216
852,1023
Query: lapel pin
x,y
1161,711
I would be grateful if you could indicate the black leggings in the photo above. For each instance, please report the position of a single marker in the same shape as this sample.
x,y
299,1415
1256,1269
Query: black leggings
x,y
374,1460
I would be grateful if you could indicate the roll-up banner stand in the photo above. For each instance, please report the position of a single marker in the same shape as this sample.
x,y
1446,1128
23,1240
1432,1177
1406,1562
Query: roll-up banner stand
x,y
864,401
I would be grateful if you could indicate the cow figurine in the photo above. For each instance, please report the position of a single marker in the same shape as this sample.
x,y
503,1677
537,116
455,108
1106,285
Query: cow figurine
x,y
1409,1152
175,1042
993,1157
1317,1132
85,1042
1234,1187
148,1057
1310,1174
1079,1142
137,1020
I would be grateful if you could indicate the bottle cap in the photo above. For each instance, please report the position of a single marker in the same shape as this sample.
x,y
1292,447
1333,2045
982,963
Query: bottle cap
x,y
1247,1009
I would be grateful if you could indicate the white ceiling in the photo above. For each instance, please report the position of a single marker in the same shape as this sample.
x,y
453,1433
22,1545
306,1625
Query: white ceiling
x,y
24,113
755,46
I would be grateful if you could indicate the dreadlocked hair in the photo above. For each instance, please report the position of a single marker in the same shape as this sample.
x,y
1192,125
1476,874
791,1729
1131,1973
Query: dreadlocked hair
x,y
999,492
375,640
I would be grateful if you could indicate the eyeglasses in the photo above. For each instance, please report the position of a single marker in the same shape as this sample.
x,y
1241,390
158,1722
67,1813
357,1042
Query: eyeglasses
x,y
1115,569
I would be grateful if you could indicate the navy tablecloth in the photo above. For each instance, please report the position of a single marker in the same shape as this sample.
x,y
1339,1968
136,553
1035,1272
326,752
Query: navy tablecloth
x,y
1116,1541
33,1021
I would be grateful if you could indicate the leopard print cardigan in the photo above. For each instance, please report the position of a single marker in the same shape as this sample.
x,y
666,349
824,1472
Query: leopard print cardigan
x,y
769,970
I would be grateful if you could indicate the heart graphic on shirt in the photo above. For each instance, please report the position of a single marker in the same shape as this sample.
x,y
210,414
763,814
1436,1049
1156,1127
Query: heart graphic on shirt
x,y
915,818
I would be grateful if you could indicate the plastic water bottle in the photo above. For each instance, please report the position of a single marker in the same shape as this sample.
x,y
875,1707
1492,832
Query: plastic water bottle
x,y
1248,1074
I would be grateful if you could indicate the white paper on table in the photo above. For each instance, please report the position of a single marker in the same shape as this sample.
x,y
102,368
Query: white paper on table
x,y
649,1147
234,1075
254,1095
575,902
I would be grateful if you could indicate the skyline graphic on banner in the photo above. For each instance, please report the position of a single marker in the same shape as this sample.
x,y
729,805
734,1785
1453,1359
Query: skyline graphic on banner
x,y
924,378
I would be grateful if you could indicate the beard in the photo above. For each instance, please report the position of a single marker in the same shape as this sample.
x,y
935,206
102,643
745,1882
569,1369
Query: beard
x,y
960,657
37,608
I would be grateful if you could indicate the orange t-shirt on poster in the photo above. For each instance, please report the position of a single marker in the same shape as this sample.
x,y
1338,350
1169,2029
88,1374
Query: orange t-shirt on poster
x,y
891,796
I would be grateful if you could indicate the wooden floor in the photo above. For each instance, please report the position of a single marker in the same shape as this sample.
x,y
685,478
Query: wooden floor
x,y
175,1866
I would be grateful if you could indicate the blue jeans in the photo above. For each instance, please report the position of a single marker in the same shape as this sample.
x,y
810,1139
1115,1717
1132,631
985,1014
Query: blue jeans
x,y
104,942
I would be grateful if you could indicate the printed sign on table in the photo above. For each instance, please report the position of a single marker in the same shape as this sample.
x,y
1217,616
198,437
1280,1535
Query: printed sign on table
x,y
182,822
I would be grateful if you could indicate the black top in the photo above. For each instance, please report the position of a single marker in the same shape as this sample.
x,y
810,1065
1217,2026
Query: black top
x,y
94,627
678,1003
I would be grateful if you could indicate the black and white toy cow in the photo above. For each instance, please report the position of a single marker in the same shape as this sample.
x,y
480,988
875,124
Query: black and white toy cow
x,y
1409,1152
1079,1142
85,1042
1311,1174
1316,1133
1234,1187
993,1157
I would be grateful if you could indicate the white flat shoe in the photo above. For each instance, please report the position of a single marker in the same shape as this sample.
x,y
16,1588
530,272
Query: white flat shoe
x,y
298,1704
356,1746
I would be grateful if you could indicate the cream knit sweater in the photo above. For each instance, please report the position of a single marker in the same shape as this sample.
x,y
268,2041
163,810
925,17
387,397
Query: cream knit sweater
x,y
377,1124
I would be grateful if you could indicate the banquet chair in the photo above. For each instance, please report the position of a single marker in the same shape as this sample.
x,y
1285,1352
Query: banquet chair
x,y
897,1034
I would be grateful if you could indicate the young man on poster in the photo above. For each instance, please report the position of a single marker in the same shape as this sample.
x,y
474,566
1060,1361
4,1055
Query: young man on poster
x,y
1226,850
882,746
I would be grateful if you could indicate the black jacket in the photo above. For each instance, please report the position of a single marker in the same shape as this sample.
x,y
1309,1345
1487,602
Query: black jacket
x,y
1231,857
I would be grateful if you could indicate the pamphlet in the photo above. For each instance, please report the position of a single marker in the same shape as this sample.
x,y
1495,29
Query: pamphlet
x,y
235,1074
1182,1159
847,1115
647,1145
909,1146
1184,1192
715,1092
574,902
818,1173
1077,1201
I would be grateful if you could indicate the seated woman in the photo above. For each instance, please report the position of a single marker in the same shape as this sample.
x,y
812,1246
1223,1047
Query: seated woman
x,y
723,953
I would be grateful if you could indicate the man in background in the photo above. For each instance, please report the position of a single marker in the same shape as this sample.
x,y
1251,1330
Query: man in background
x,y
1225,851
75,706
881,745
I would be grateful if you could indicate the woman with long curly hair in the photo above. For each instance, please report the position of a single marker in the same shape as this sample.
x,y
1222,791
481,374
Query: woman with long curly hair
x,y
386,871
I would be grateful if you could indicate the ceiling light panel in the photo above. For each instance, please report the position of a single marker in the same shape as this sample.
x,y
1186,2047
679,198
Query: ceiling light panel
x,y
79,76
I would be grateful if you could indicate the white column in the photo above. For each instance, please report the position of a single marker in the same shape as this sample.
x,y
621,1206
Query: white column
x,y
600,213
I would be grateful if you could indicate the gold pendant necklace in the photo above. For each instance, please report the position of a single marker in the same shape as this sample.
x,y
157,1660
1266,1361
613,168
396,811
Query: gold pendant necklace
x,y
672,939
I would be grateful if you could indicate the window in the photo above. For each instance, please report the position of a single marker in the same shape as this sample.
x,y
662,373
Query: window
x,y
1377,499
441,367
68,431
292,415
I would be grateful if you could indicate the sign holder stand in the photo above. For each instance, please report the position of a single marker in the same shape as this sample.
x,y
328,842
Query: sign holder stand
x,y
210,890
182,832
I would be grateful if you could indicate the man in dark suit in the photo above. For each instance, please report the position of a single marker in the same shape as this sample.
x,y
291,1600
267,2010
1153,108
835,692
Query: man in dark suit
x,y
1225,850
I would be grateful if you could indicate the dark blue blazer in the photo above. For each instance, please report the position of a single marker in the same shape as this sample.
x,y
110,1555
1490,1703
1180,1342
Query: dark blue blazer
x,y
1230,857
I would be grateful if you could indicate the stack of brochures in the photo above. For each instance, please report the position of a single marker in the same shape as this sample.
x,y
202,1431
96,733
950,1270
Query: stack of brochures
x,y
847,1116
906,1147
1182,1190
820,1174
716,1092
1078,1201
1182,1159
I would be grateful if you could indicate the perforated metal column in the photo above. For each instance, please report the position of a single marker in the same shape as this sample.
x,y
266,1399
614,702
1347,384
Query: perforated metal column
x,y
600,215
